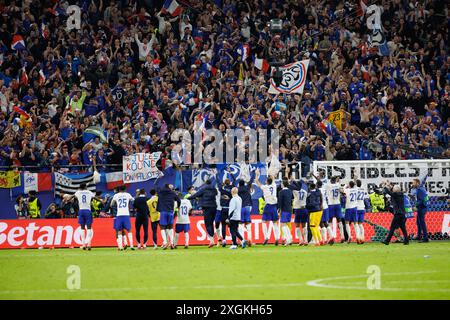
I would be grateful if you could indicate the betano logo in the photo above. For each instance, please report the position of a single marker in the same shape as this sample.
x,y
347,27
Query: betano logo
x,y
32,235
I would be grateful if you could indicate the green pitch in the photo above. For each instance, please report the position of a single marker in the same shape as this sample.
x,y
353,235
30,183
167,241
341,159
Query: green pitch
x,y
417,271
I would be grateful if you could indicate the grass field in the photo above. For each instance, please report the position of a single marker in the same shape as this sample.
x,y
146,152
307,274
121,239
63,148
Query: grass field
x,y
418,271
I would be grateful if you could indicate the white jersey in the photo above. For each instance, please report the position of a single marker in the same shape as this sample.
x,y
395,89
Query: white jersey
x,y
334,195
122,200
324,192
183,212
84,198
362,194
299,198
270,193
218,195
351,195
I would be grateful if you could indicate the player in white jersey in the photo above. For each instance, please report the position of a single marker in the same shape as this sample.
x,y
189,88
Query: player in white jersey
x,y
334,205
183,222
351,202
301,214
324,226
122,223
84,198
270,212
360,212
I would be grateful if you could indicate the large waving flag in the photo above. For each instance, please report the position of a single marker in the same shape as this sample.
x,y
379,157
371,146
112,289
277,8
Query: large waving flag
x,y
172,7
92,132
17,42
244,51
261,64
293,79
70,183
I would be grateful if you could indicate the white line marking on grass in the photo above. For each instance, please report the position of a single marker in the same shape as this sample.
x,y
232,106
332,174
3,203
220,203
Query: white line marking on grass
x,y
226,286
319,283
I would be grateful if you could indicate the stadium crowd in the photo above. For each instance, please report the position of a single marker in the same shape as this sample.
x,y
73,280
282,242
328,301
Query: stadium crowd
x,y
139,73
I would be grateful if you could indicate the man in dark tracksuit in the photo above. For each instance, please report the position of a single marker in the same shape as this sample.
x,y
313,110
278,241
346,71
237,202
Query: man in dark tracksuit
x,y
285,197
398,209
207,201
166,199
142,214
225,197
421,196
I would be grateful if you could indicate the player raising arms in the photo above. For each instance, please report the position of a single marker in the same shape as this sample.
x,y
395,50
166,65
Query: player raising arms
x,y
324,226
285,207
84,198
122,224
166,205
351,202
360,211
270,213
334,205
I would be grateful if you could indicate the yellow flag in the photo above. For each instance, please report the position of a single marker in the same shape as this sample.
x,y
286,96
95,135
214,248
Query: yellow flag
x,y
336,118
241,72
9,179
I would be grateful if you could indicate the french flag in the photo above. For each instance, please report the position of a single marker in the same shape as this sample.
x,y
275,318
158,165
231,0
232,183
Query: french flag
x,y
41,77
326,127
114,179
172,7
17,42
44,31
244,51
37,182
24,77
262,64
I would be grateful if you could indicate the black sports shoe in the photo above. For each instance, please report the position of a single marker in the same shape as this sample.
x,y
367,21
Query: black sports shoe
x,y
276,242
406,243
385,242
265,242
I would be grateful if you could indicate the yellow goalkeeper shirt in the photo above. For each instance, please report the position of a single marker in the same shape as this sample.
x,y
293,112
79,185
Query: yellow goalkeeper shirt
x,y
152,203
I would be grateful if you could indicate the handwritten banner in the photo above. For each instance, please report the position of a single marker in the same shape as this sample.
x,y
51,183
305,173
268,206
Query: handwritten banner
x,y
141,167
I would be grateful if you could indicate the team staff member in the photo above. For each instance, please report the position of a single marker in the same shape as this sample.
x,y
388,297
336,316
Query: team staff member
x,y
142,213
285,198
377,200
421,196
225,197
314,206
234,218
398,209
207,201
34,205
154,216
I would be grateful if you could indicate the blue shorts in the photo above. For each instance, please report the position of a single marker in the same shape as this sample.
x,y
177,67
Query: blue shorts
x,y
122,222
218,216
301,215
286,217
184,227
270,213
359,216
84,217
325,215
245,214
255,206
350,214
166,218
335,211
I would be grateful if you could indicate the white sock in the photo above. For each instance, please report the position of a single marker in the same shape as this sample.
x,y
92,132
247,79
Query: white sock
x,y
170,235
287,234
83,238
361,232
130,239
356,227
323,230
164,236
249,232
90,233
218,233
241,230
347,227
298,234
119,242
175,241
305,233
186,239
124,239
211,239
330,232
341,230
264,227
276,230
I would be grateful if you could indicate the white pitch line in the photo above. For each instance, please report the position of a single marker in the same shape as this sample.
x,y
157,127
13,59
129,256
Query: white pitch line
x,y
318,283
237,286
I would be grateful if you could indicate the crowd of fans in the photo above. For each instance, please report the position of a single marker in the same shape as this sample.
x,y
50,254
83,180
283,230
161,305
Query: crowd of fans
x,y
139,73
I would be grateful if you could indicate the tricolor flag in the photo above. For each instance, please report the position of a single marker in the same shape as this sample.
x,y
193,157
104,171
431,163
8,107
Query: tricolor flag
x,y
172,7
41,77
365,73
24,77
244,51
17,42
114,179
212,69
37,182
262,64
326,127
44,31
